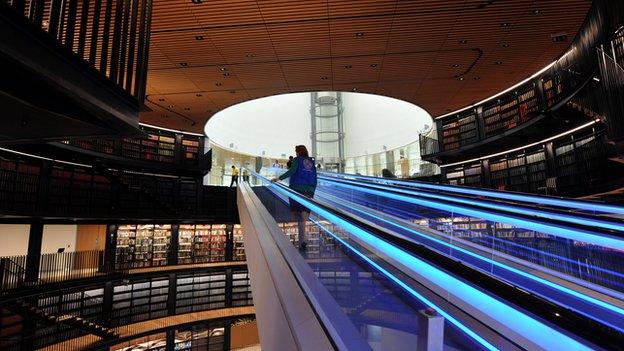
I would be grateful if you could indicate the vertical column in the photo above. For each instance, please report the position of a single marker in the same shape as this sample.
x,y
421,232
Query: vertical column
x,y
110,248
174,247
178,151
171,340
171,296
33,258
228,287
107,302
229,242
227,335
44,186
541,99
480,123
486,177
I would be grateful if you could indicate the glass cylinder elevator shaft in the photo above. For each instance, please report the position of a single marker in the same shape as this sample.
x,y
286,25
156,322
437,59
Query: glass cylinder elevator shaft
x,y
327,134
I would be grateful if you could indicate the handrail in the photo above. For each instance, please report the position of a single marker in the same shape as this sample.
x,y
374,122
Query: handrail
x,y
293,277
407,256
506,195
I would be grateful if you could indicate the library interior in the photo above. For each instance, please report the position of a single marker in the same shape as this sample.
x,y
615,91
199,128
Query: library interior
x,y
311,175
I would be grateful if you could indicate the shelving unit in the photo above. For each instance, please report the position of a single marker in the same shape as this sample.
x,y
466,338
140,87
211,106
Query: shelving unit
x,y
186,236
459,130
200,291
553,90
469,174
190,147
143,245
140,300
239,250
509,113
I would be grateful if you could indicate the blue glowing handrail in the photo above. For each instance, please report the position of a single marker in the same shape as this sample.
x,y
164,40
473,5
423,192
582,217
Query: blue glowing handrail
x,y
539,333
564,217
538,226
539,280
534,199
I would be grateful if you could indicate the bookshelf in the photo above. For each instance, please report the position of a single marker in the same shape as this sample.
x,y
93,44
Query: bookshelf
x,y
239,250
143,245
186,235
190,148
618,47
553,89
469,174
459,130
510,112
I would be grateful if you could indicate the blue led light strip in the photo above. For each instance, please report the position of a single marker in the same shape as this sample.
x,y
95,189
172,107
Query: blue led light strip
x,y
556,230
531,329
537,279
534,199
536,212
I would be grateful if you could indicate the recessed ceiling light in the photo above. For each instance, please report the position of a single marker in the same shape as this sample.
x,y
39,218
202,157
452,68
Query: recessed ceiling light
x,y
250,55
170,106
460,78
354,89
456,65
348,66
184,64
504,24
359,34
498,62
199,37
476,78
232,91
373,65
196,1
222,69
218,84
505,45
198,94
537,11
463,41
161,99
226,74
323,78
187,108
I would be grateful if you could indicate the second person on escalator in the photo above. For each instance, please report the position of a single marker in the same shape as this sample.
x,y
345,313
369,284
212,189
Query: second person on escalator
x,y
302,174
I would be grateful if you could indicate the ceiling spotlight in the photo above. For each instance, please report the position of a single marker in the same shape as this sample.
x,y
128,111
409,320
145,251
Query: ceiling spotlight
x,y
161,99
170,106
198,94
359,34
324,78
226,74
463,41
232,91
460,78
498,62
187,108
505,45
537,11
222,69
348,66
476,78
218,84
504,25
354,89
184,64
196,1
250,55
373,65
456,65
199,37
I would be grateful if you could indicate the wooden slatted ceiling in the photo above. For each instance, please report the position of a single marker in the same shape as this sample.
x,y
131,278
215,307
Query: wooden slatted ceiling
x,y
411,50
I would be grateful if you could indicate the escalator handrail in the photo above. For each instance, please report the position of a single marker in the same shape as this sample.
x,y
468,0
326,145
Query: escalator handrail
x,y
506,195
571,321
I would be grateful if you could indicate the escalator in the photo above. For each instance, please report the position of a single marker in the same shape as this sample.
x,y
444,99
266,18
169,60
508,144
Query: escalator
x,y
375,275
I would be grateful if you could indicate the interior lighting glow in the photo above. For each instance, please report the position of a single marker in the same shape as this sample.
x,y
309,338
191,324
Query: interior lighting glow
x,y
556,230
513,270
510,88
540,213
531,329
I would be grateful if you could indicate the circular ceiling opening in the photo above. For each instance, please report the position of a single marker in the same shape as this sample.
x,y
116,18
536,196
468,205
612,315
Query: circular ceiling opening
x,y
273,125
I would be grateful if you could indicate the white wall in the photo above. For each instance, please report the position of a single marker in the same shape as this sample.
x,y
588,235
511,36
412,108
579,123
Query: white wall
x,y
14,239
276,124
372,121
56,236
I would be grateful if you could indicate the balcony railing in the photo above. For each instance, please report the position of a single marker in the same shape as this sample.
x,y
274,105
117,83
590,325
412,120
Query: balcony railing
x,y
112,36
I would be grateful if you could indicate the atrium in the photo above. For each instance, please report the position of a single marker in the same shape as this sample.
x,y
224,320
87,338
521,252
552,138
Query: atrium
x,y
311,175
